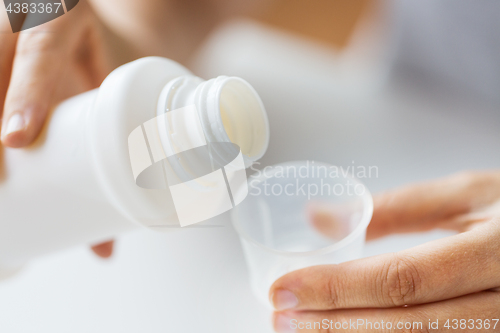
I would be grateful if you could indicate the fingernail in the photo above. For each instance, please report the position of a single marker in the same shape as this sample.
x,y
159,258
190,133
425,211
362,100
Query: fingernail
x,y
283,324
14,124
284,300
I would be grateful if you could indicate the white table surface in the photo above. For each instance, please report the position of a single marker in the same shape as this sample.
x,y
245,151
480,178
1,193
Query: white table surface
x,y
196,280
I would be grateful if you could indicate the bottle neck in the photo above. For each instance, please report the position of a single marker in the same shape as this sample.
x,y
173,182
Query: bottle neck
x,y
229,110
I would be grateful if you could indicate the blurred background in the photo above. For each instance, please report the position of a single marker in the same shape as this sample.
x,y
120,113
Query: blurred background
x,y
411,87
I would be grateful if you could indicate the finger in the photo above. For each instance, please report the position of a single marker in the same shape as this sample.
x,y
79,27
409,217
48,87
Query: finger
x,y
40,58
472,313
331,220
7,48
104,250
438,270
430,205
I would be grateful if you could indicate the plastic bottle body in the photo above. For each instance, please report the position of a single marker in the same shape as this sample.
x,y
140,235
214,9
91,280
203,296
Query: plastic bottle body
x,y
49,196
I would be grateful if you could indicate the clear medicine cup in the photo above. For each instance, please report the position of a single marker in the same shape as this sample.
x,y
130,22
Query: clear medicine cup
x,y
300,214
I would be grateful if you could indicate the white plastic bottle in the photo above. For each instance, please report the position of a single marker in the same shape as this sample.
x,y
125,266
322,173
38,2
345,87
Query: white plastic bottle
x,y
75,185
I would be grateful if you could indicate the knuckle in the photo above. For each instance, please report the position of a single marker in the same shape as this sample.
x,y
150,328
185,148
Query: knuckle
x,y
332,292
401,282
